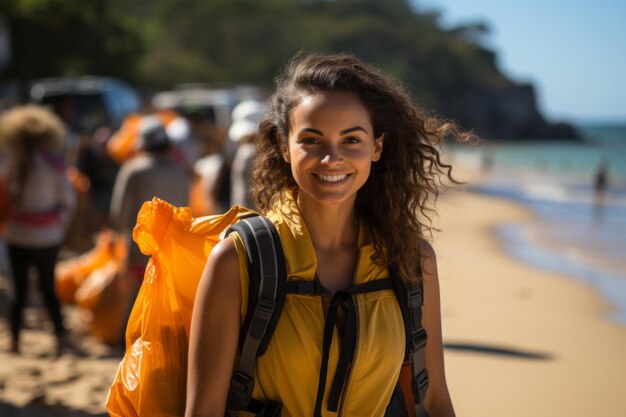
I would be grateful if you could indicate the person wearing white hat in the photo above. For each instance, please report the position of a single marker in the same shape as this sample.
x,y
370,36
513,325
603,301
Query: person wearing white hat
x,y
246,116
251,110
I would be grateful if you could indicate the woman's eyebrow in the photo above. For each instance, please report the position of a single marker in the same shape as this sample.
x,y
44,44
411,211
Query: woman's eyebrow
x,y
311,130
343,132
352,129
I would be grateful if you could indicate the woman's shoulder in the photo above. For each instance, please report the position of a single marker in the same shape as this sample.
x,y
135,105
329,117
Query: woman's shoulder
x,y
219,281
224,255
426,249
428,261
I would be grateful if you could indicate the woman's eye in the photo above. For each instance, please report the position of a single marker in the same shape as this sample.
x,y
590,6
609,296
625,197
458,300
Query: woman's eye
x,y
309,141
352,139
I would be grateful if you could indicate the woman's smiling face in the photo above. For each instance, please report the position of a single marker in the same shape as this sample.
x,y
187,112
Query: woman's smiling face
x,y
331,147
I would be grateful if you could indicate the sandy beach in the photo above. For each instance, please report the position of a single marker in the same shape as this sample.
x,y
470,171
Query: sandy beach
x,y
519,341
35,383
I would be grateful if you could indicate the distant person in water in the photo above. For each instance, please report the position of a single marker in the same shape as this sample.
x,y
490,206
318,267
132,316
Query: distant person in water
x,y
600,185
487,161
601,181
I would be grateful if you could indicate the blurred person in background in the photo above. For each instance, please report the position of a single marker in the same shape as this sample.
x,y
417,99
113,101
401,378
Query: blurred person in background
x,y
4,211
152,172
212,168
184,145
40,203
100,169
243,132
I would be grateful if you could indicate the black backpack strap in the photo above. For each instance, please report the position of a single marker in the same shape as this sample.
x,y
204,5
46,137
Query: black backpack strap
x,y
266,298
411,298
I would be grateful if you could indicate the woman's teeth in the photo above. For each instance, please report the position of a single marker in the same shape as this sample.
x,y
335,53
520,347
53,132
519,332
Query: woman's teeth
x,y
332,178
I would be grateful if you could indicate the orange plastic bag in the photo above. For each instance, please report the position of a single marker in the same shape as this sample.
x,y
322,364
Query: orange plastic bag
x,y
70,274
107,316
151,378
91,291
104,294
123,144
200,201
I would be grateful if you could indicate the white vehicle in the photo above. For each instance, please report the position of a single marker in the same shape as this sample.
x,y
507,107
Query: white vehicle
x,y
215,104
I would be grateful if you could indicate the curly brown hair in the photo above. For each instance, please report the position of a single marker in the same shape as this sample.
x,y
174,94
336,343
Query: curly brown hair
x,y
25,130
32,126
398,197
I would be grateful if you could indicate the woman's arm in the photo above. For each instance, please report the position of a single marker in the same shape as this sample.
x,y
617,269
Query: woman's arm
x,y
437,402
214,333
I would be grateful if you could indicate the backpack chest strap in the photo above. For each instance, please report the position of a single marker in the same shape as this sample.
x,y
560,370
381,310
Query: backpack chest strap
x,y
341,300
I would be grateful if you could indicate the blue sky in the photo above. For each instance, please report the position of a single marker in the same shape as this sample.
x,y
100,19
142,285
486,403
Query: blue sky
x,y
574,52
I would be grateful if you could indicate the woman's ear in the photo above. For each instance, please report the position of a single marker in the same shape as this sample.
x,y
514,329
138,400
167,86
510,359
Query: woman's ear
x,y
378,147
284,150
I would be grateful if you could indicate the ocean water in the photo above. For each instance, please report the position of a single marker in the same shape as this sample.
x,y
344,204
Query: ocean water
x,y
579,232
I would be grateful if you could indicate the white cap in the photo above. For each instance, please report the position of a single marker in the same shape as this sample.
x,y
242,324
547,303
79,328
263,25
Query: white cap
x,y
251,110
242,128
246,117
178,129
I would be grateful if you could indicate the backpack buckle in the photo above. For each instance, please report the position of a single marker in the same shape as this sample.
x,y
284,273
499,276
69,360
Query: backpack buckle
x,y
414,296
240,391
262,315
265,308
419,338
419,386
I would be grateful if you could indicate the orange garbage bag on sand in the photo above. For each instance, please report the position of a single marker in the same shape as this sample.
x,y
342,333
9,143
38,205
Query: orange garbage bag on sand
x,y
104,294
70,273
151,378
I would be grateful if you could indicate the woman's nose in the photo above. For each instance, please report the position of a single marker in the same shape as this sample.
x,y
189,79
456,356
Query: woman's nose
x,y
332,158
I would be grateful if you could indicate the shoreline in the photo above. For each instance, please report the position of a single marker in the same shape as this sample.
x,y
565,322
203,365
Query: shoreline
x,y
586,255
520,340
606,280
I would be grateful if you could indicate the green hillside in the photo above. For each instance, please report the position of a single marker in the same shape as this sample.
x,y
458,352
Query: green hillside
x,y
160,43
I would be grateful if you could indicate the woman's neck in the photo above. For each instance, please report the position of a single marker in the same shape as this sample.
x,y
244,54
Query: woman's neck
x,y
331,227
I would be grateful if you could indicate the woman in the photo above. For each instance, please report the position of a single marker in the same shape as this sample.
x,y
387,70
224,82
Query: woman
x,y
344,163
40,200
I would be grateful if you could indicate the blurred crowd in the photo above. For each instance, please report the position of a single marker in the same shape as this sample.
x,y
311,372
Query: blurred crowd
x,y
79,195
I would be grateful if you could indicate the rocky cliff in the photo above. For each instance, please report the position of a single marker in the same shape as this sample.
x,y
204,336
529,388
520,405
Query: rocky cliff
x,y
505,113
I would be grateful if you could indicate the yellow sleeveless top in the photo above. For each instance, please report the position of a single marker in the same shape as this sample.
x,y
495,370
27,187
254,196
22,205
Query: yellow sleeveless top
x,y
289,371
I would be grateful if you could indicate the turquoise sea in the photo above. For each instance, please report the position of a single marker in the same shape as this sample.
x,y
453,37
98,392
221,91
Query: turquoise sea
x,y
579,232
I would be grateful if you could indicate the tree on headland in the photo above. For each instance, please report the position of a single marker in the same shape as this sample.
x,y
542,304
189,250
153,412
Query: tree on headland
x,y
68,37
